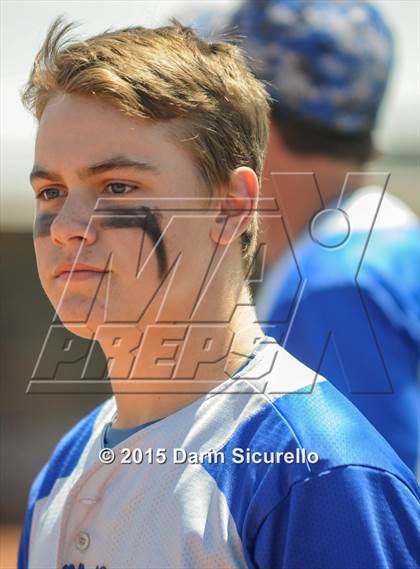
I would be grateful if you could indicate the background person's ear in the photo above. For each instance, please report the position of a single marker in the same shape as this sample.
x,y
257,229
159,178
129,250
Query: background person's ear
x,y
237,206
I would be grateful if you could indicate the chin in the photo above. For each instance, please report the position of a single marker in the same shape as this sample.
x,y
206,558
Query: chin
x,y
80,317
82,330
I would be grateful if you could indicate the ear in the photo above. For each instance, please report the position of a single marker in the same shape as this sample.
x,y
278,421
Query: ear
x,y
236,207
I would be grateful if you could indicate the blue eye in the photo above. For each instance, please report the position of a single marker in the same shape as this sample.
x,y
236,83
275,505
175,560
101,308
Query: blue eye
x,y
114,188
120,187
49,194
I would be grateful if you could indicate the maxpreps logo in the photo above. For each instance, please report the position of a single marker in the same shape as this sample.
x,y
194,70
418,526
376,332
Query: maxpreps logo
x,y
81,566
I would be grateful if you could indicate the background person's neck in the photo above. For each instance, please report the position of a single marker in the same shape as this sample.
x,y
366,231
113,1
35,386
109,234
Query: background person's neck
x,y
297,195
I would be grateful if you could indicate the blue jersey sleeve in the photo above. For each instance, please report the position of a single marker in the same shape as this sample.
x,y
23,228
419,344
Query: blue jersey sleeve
x,y
344,334
350,517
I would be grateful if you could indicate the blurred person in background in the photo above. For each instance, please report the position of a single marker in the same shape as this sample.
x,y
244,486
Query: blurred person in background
x,y
339,282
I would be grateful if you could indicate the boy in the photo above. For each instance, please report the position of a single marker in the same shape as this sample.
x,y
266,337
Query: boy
x,y
218,448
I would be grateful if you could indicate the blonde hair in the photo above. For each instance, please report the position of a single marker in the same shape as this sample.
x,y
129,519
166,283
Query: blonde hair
x,y
162,74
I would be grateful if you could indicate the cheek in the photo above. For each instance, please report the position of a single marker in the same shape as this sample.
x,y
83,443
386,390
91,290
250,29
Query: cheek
x,y
41,252
42,256
137,229
190,237
41,237
42,224
130,257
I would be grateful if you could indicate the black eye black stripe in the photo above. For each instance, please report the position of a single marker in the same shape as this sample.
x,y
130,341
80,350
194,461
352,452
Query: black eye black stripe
x,y
42,224
120,218
143,218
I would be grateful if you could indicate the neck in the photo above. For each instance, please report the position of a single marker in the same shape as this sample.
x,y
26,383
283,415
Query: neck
x,y
289,178
173,365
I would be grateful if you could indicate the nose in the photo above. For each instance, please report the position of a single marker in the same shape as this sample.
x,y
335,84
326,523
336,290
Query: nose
x,y
73,223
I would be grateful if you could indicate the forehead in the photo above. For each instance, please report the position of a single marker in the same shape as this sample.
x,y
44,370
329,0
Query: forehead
x,y
75,130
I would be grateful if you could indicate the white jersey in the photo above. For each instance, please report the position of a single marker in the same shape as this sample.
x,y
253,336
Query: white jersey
x,y
222,482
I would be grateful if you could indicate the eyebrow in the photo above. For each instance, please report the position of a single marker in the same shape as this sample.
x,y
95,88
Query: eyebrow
x,y
99,168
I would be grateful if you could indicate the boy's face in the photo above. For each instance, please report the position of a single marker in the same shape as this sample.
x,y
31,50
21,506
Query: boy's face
x,y
80,140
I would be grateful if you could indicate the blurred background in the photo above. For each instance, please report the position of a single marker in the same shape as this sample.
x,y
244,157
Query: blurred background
x,y
32,423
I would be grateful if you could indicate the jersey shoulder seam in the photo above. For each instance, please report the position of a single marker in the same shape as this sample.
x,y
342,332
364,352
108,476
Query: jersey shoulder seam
x,y
334,470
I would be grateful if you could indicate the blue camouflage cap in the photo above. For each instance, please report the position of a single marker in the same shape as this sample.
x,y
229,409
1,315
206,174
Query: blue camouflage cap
x,y
326,61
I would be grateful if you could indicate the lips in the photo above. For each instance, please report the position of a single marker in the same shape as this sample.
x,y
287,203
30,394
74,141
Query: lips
x,y
79,269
